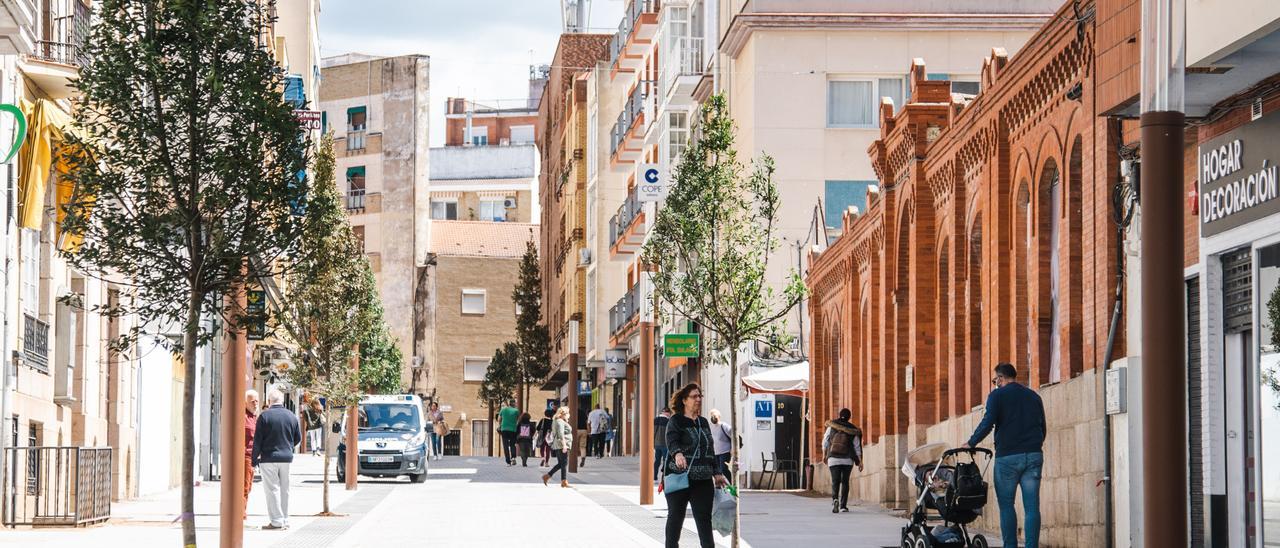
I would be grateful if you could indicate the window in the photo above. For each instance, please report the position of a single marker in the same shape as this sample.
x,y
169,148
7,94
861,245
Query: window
x,y
473,369
444,210
840,195
854,102
473,301
493,209
355,188
593,143
522,135
959,83
357,119
968,88
31,270
33,458
677,137
479,135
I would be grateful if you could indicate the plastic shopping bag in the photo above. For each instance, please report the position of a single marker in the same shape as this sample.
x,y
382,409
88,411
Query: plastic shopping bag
x,y
724,511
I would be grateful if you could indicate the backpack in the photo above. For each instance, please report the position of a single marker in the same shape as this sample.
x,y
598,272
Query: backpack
x,y
970,489
526,430
841,445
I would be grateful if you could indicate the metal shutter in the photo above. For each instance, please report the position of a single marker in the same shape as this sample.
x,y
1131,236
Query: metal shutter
x,y
1237,290
1194,423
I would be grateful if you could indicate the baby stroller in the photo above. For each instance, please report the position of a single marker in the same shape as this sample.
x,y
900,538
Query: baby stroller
x,y
952,494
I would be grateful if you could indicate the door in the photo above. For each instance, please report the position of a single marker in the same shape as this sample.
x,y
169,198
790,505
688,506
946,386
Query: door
x,y
479,437
453,443
1265,380
786,434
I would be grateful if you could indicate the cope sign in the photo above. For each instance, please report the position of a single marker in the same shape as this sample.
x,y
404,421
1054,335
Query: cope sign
x,y
650,186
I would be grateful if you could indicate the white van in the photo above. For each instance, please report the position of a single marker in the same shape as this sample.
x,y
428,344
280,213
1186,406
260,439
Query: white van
x,y
392,438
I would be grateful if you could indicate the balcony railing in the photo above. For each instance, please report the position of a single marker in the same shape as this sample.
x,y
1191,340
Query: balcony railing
x,y
628,307
355,199
685,58
66,39
67,486
622,220
35,343
626,119
618,44
355,139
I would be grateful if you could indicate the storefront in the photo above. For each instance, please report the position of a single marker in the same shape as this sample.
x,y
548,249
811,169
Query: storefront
x,y
1233,312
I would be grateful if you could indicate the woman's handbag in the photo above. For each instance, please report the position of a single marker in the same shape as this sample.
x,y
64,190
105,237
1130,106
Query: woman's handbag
x,y
677,481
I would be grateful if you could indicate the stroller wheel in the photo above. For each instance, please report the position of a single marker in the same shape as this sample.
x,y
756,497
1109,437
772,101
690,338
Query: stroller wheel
x,y
922,541
978,541
909,541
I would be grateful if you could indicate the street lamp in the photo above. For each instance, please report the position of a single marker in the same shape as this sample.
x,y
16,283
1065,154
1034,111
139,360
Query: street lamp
x,y
1164,383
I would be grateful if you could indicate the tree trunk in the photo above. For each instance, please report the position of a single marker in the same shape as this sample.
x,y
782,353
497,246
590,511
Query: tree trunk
x,y
733,445
520,392
324,434
189,337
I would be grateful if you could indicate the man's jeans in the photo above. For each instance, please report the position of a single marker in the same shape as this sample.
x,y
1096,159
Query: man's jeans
x,y
1013,472
275,483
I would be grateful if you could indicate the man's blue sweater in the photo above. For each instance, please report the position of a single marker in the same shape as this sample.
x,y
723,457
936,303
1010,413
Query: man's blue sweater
x,y
1017,414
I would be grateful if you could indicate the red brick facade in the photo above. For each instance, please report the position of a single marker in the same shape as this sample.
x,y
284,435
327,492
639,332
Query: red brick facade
x,y
981,205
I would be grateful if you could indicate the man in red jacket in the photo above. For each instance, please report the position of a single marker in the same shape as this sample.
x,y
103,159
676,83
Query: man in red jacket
x,y
250,427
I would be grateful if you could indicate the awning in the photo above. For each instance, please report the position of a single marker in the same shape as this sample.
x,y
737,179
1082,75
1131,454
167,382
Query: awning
x,y
791,380
47,126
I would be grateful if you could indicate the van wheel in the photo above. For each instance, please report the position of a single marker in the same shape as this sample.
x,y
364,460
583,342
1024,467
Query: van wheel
x,y
418,478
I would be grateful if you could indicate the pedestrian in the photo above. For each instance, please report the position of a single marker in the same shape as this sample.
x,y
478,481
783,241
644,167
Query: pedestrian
x,y
690,450
595,437
314,412
608,432
508,417
722,436
561,443
250,425
438,430
524,438
274,438
542,434
842,444
660,441
1017,414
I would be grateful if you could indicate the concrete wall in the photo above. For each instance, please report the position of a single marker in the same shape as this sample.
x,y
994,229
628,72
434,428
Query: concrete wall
x,y
490,162
1217,28
892,6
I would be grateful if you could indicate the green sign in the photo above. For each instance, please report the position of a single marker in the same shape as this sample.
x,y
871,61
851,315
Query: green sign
x,y
19,135
680,345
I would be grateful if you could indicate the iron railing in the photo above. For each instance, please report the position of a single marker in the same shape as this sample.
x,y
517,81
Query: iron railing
x,y
355,199
35,343
626,310
67,486
65,42
355,139
621,221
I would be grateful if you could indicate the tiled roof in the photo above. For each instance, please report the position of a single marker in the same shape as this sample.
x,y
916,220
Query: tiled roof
x,y
481,238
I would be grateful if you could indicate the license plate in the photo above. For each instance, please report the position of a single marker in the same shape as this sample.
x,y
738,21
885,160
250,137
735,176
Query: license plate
x,y
382,459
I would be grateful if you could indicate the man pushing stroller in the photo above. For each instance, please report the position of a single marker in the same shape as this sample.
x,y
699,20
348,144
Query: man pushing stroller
x,y
1017,414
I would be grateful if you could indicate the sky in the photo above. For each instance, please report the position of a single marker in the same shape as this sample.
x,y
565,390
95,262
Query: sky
x,y
479,49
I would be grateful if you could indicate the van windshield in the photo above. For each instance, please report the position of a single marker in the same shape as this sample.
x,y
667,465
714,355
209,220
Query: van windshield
x,y
389,416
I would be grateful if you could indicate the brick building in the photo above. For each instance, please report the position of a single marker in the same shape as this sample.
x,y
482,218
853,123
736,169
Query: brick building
x,y
989,238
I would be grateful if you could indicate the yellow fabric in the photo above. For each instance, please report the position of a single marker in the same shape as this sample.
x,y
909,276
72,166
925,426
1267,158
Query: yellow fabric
x,y
47,126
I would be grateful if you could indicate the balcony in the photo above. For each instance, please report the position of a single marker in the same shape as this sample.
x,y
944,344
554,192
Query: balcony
x,y
624,315
355,138
635,34
355,200
58,54
35,343
684,65
627,227
626,141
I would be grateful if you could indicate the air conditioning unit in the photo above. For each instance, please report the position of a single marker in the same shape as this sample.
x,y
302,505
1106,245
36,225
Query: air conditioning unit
x,y
584,257
577,154
509,202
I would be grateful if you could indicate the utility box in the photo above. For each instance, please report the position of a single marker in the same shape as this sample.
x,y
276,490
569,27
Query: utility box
x,y
1117,382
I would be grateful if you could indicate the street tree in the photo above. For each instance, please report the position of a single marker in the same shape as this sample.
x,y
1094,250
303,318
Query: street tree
x,y
533,341
187,186
501,377
710,247
330,303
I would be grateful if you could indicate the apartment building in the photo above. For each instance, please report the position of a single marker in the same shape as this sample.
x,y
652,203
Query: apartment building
x,y
562,144
377,110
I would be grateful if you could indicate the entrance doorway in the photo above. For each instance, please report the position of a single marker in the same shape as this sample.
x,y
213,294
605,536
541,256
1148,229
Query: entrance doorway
x,y
479,438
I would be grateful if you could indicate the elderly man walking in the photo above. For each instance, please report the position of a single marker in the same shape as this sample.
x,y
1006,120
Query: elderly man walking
x,y
273,442
1017,414
250,424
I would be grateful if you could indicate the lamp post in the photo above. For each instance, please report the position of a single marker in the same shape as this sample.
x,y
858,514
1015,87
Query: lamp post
x,y
351,464
231,518
1164,383
646,390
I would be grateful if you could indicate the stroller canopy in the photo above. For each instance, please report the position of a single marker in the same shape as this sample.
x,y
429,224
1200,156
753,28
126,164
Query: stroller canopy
x,y
925,454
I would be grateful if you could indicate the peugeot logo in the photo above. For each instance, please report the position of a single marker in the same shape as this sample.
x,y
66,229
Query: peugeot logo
x,y
381,444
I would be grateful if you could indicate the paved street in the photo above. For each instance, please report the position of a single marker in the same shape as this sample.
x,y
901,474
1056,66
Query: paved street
x,y
475,502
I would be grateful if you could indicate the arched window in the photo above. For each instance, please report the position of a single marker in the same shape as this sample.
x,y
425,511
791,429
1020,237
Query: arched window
x,y
973,294
1049,212
1023,239
1075,192
946,365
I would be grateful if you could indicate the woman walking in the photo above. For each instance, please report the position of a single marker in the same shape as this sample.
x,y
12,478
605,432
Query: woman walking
x,y
842,444
524,438
438,429
561,443
542,436
692,451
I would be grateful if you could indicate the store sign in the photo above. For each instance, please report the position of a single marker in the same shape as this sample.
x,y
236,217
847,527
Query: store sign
x,y
255,314
764,409
680,345
651,186
1237,176
310,119
615,364
19,132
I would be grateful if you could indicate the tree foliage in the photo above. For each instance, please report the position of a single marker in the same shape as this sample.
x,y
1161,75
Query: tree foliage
x,y
502,377
381,362
188,167
711,243
533,342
